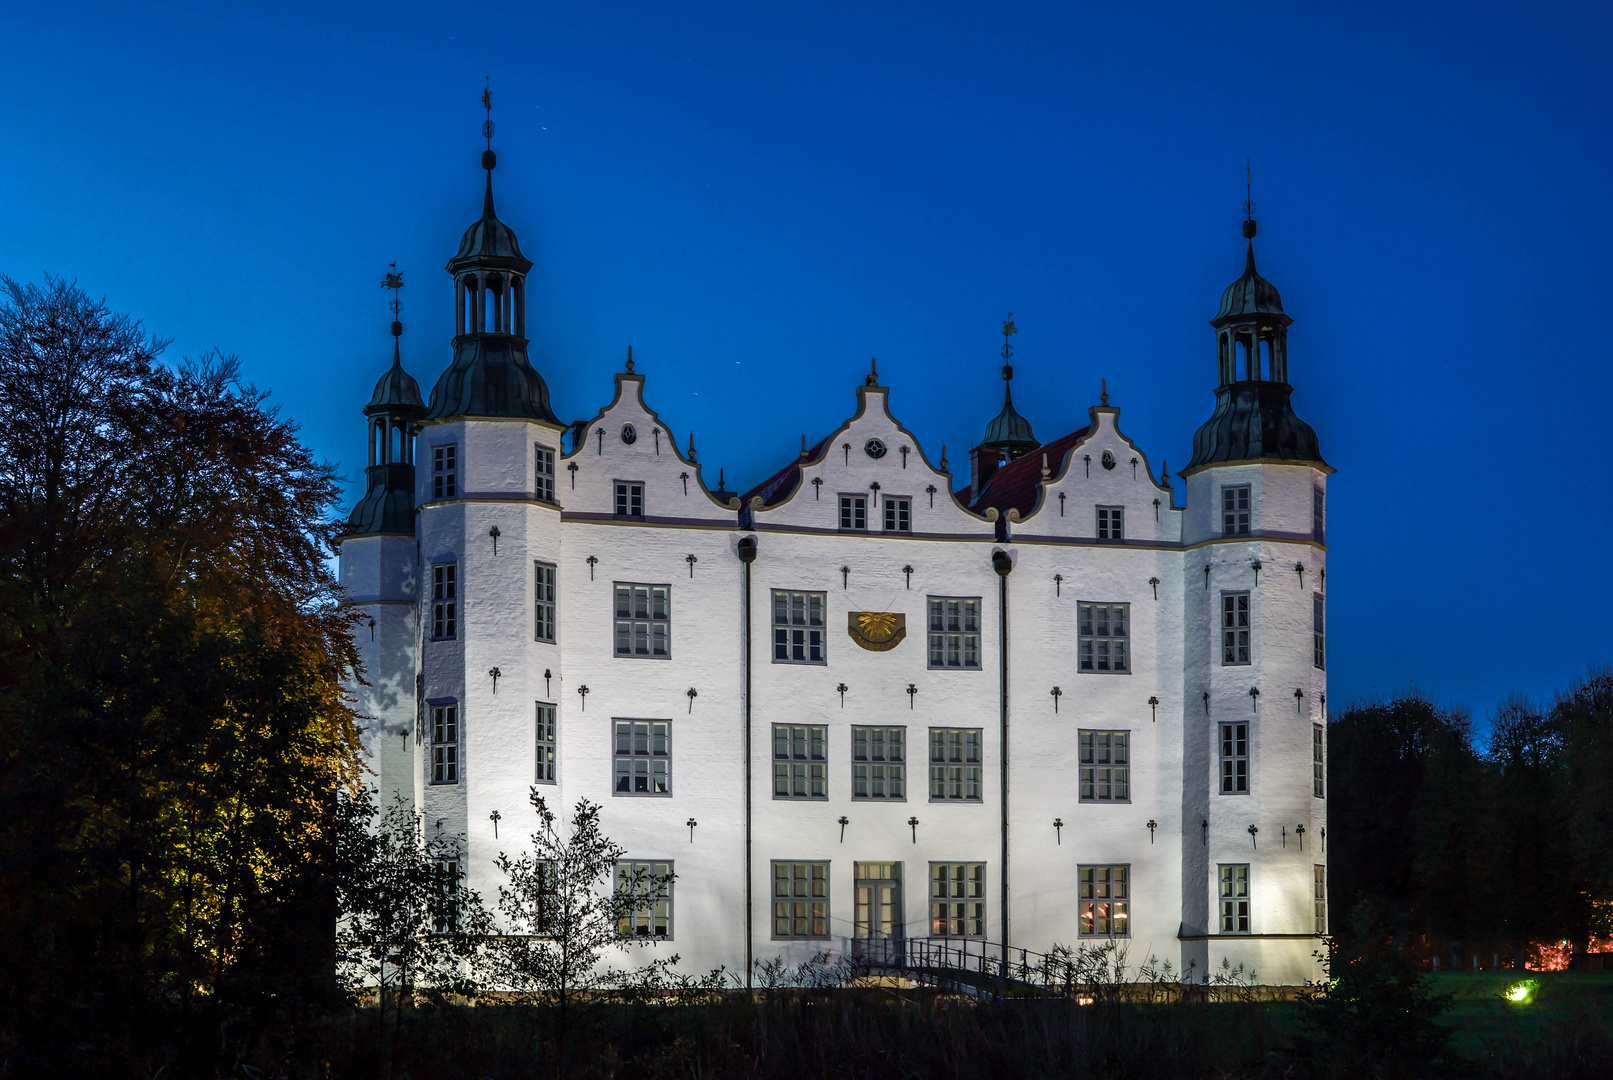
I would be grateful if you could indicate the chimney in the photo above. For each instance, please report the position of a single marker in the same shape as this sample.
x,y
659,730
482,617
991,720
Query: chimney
x,y
982,464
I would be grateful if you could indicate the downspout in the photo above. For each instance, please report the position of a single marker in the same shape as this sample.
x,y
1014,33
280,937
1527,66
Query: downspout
x,y
1001,563
747,555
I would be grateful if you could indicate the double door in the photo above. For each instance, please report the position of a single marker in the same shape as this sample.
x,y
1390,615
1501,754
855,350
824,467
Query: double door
x,y
879,928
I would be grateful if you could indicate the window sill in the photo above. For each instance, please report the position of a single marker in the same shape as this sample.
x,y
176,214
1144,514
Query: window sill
x,y
878,799
1104,802
960,802
1084,671
951,667
800,798
636,656
641,794
801,663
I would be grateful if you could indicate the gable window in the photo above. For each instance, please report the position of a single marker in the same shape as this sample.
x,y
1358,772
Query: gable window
x,y
444,471
1102,637
645,892
544,488
955,764
643,620
543,575
898,514
444,600
1318,761
958,900
445,744
546,744
1111,523
798,627
1318,515
800,762
1319,894
878,763
1234,759
1318,631
629,499
854,513
954,632
1234,898
1105,766
1105,901
1234,628
643,757
1235,510
800,900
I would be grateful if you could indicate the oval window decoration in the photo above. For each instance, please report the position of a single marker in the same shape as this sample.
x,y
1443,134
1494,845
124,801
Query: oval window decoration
x,y
1108,459
630,436
874,448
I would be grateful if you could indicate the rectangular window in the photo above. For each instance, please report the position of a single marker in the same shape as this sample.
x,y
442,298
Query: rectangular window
x,y
798,627
955,764
544,488
854,513
1235,898
1105,766
1103,634
629,499
1318,631
1105,901
1235,628
543,576
546,744
1318,764
800,762
1234,759
445,744
1235,510
958,900
954,632
445,904
1320,894
444,600
643,620
1318,516
898,514
645,890
879,763
444,471
1111,523
643,755
800,900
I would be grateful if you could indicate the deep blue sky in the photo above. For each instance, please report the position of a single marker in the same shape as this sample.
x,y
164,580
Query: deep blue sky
x,y
758,200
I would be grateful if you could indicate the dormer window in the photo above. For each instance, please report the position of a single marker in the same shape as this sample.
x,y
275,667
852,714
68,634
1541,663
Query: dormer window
x,y
629,499
854,513
444,471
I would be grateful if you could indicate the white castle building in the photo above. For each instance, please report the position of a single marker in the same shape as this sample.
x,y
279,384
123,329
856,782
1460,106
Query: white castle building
x,y
861,703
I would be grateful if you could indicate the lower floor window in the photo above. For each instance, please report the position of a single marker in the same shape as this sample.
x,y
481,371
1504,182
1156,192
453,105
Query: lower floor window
x,y
546,744
1105,901
1235,898
1321,899
800,900
445,904
957,899
644,891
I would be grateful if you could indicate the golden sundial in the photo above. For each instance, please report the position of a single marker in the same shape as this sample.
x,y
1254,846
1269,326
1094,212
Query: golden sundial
x,y
876,631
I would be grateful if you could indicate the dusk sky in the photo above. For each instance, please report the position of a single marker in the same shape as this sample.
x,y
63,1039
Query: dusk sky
x,y
758,199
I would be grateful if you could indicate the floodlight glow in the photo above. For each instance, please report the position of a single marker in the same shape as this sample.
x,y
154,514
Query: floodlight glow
x,y
1521,993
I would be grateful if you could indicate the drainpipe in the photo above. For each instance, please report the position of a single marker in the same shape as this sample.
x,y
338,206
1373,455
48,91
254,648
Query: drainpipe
x,y
1001,563
747,555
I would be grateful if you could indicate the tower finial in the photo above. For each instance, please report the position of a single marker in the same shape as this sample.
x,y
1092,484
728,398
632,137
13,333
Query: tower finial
x,y
394,281
873,372
1248,202
630,359
489,159
1103,391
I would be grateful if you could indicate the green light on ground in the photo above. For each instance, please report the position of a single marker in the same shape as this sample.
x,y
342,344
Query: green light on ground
x,y
1522,993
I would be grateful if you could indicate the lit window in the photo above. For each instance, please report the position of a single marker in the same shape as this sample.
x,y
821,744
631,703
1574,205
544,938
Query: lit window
x,y
1105,766
955,764
1234,628
629,499
643,754
1235,898
1234,759
444,600
854,513
444,471
1102,637
546,744
800,900
545,474
445,744
958,900
954,632
800,762
644,890
898,514
798,627
878,763
1111,523
544,589
1235,510
1105,901
643,620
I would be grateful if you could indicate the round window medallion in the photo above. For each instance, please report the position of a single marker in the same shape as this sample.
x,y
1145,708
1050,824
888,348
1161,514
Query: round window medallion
x,y
630,436
1108,459
874,448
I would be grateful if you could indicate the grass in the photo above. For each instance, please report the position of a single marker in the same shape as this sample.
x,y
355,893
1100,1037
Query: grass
x,y
1484,1019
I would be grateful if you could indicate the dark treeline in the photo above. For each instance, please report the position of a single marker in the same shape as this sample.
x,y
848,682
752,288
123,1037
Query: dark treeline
x,y
1477,848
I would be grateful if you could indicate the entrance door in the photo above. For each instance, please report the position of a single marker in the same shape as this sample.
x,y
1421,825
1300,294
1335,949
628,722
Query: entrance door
x,y
879,928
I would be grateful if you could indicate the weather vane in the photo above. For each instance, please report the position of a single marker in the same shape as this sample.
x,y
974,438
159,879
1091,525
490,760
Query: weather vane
x,y
394,281
1009,330
487,103
1248,192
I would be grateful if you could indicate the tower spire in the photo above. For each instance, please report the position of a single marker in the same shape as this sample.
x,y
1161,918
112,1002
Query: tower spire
x,y
394,281
1009,434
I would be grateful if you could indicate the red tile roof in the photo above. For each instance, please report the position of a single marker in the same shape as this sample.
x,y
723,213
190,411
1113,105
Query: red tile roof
x,y
1014,486
781,485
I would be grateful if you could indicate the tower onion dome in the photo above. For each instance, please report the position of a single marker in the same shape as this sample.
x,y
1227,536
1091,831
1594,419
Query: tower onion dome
x,y
1009,433
396,391
388,502
1251,294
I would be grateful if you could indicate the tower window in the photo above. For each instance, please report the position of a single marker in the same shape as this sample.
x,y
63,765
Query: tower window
x,y
1319,883
1235,510
544,606
643,620
629,499
1234,628
1318,761
546,744
898,514
544,488
1105,766
1234,759
445,744
954,632
854,513
444,471
1234,898
444,600
1103,636
798,627
1318,515
1318,631
1111,523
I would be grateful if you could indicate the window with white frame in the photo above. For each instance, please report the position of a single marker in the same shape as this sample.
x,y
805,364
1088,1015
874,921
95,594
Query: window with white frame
x,y
1318,515
955,632
1235,510
1319,895
1318,631
543,577
1234,898
854,513
1105,901
958,900
645,892
444,600
800,900
445,743
1318,763
879,763
546,744
798,627
1105,766
800,761
643,757
1103,631
898,514
544,487
444,471
445,904
1234,759
1111,523
955,764
629,499
1234,628
643,620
